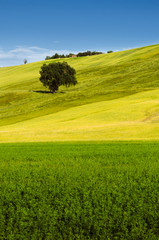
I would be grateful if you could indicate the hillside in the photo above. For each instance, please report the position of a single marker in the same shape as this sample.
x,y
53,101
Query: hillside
x,y
116,98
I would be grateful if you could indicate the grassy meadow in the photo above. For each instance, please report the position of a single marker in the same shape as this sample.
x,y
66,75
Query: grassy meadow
x,y
116,98
82,163
79,191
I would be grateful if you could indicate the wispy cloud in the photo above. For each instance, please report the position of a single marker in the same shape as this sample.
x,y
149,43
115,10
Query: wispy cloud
x,y
57,41
16,56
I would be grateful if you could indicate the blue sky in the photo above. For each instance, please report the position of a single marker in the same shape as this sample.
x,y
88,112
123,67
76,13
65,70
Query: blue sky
x,y
33,29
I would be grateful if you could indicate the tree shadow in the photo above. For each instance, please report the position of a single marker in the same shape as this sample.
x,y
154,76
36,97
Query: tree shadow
x,y
46,91
42,91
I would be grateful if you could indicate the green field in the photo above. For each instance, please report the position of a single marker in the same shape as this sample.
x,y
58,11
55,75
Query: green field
x,y
71,176
79,191
116,99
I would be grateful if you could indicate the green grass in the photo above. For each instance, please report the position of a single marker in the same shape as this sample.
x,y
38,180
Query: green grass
x,y
124,86
79,191
86,189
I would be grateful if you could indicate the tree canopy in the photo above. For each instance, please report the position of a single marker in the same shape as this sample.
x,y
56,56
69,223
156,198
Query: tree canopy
x,y
54,75
25,61
80,54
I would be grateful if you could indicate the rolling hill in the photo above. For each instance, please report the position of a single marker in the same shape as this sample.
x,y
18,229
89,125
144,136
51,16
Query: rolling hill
x,y
116,98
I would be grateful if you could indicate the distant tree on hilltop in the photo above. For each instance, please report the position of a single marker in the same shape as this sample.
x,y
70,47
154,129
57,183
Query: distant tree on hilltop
x,y
80,54
25,61
47,58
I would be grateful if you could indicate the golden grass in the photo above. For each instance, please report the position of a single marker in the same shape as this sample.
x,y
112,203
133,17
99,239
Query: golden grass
x,y
129,118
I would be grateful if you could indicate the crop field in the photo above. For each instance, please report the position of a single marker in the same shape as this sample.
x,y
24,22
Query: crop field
x,y
80,190
116,98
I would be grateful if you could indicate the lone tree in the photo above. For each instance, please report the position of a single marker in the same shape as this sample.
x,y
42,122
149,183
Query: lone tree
x,y
25,61
54,75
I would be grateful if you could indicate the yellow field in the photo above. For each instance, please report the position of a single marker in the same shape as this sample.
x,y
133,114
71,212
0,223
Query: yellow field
x,y
117,98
